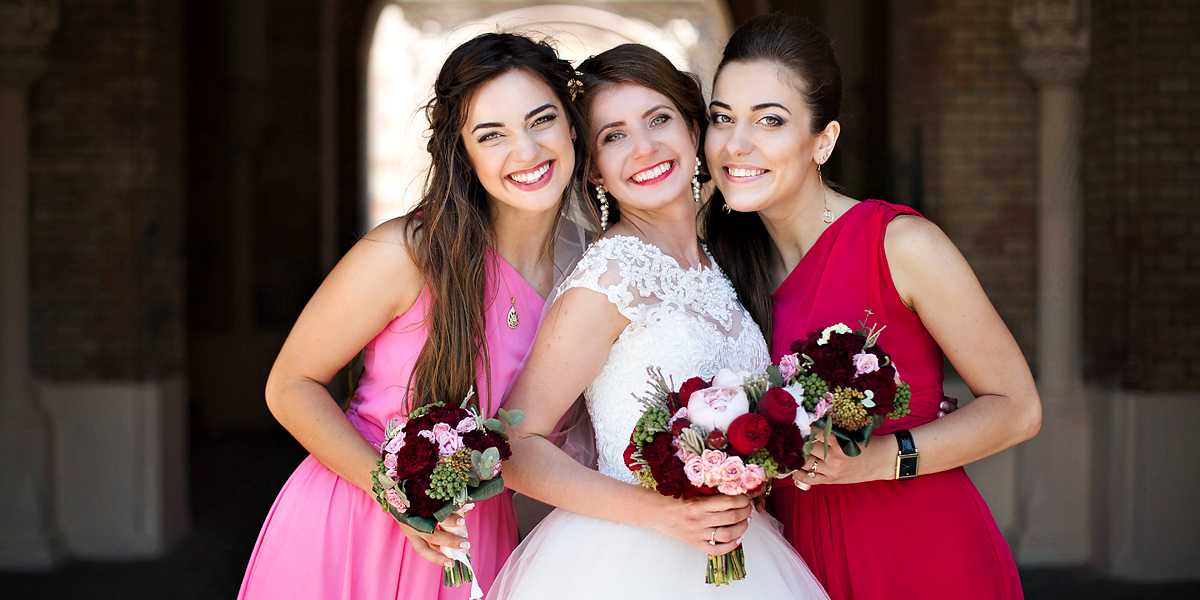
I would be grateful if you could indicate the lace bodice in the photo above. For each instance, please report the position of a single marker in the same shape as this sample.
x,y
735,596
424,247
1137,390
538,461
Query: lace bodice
x,y
686,322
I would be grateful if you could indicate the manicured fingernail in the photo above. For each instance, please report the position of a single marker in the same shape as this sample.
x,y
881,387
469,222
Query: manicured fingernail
x,y
749,517
462,521
739,540
941,414
448,564
465,545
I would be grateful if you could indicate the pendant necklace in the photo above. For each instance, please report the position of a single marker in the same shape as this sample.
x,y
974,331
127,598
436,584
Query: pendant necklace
x,y
514,320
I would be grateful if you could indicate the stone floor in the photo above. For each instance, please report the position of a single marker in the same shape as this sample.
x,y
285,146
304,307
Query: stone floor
x,y
236,478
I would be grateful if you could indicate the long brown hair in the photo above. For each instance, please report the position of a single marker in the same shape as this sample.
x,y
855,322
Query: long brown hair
x,y
450,227
647,67
739,240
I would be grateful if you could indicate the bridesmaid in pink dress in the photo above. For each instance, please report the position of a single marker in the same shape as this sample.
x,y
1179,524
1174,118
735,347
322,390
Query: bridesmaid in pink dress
x,y
804,257
471,262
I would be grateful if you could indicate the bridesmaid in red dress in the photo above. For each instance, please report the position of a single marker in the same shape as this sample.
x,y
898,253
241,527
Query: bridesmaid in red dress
x,y
775,227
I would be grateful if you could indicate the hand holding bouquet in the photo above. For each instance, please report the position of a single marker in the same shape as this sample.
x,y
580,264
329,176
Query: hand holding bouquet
x,y
439,462
846,384
718,437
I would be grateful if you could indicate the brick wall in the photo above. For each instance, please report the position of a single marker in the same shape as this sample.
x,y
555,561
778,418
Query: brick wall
x,y
1142,195
964,142
106,194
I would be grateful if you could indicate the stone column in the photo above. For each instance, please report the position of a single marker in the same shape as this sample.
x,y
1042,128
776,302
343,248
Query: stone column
x,y
1055,466
28,534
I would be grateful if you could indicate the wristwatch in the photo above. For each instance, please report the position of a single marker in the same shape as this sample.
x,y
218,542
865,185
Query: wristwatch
x,y
907,458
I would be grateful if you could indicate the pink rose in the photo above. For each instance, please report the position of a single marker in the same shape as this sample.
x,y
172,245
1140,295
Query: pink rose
x,y
441,429
713,459
824,404
393,474
753,477
731,488
394,499
389,461
427,435
449,443
789,366
395,444
732,469
865,362
467,425
694,469
683,455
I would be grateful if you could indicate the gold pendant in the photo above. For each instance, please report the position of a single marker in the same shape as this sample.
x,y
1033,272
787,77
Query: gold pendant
x,y
827,216
514,320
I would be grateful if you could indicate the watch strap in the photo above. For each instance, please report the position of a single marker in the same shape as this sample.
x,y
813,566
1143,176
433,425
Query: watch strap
x,y
907,459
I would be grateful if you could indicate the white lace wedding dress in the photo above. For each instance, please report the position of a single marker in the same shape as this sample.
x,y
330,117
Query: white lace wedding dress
x,y
688,323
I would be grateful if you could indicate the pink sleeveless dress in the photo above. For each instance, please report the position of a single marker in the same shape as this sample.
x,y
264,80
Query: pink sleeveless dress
x,y
324,538
930,537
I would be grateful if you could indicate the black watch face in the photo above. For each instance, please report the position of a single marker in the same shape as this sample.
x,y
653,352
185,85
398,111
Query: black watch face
x,y
908,467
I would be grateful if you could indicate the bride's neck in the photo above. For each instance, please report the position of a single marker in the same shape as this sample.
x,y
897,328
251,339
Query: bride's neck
x,y
672,229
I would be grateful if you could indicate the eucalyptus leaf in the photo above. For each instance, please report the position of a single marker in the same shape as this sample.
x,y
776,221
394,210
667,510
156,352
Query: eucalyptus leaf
x,y
477,461
516,417
774,376
868,403
494,425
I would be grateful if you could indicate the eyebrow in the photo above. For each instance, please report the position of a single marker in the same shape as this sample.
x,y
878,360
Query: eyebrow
x,y
528,115
622,123
756,107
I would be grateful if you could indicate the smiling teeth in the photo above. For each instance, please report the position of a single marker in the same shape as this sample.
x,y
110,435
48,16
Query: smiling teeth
x,y
651,173
531,176
746,172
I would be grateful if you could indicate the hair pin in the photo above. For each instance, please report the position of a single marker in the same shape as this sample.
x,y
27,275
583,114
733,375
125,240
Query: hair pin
x,y
575,86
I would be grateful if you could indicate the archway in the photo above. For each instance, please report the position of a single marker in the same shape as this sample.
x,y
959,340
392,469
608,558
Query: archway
x,y
412,39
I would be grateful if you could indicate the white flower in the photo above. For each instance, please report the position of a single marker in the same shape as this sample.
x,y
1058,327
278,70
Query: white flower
x,y
715,408
832,329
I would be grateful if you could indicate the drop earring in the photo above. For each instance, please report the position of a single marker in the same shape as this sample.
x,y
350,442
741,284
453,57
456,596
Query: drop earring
x,y
826,216
603,198
696,182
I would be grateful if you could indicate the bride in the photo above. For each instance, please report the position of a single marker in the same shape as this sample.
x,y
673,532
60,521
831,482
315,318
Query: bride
x,y
646,293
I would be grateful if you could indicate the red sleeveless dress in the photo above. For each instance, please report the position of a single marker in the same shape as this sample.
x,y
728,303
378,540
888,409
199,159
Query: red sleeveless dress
x,y
929,537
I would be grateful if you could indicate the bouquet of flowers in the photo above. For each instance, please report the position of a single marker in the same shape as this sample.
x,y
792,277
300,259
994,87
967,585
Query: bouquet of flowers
x,y
728,436
846,384
439,462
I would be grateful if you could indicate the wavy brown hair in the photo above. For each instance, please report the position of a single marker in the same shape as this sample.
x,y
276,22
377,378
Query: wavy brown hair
x,y
739,240
647,67
450,228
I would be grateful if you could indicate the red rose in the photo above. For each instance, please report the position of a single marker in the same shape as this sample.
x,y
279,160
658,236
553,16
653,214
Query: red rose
x,y
678,426
629,461
778,406
717,440
749,433
689,386
673,402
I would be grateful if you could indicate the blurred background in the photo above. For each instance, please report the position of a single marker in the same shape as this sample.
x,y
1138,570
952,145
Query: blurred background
x,y
177,176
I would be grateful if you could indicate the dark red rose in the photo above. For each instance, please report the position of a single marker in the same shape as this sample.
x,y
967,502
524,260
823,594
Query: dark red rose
x,y
417,457
629,461
679,425
673,402
717,440
689,386
671,479
749,433
778,406
417,492
787,446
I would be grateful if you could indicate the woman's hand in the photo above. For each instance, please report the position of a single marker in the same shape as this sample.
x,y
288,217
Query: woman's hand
x,y
875,462
429,545
714,524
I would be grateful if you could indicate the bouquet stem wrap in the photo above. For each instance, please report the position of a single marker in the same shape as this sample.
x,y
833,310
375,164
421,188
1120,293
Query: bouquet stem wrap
x,y
726,567
461,572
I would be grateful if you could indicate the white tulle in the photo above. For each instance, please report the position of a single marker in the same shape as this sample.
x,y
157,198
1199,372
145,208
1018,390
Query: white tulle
x,y
688,323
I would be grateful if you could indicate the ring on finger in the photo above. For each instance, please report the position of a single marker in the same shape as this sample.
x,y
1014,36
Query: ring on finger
x,y
712,540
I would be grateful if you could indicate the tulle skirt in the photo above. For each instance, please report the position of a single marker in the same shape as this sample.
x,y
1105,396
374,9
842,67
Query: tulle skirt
x,y
573,556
